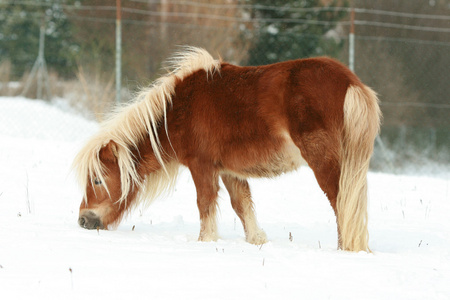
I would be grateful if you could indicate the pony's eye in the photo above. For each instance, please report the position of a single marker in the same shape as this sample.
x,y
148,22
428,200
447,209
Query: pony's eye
x,y
97,181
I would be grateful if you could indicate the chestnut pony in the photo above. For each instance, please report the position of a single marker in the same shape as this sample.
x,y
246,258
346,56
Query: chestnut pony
x,y
222,120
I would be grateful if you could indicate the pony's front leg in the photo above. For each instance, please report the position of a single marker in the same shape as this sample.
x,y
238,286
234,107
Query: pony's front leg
x,y
206,181
241,201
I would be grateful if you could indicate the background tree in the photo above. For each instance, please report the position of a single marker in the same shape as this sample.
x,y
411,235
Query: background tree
x,y
291,29
19,40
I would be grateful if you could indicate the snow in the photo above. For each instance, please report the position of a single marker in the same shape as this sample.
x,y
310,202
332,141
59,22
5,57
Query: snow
x,y
44,254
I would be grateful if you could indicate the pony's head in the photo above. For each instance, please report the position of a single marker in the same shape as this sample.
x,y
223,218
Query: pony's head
x,y
115,178
100,176
109,185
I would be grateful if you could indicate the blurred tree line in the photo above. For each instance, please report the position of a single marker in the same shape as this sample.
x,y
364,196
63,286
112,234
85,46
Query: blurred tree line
x,y
20,24
81,33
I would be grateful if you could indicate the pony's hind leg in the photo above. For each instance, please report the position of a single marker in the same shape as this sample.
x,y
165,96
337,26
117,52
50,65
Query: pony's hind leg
x,y
242,204
321,151
206,182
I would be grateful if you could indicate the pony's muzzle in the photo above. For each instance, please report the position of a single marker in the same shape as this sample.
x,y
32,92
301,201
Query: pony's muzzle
x,y
90,220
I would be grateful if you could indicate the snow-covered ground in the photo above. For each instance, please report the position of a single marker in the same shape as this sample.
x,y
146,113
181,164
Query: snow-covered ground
x,y
44,254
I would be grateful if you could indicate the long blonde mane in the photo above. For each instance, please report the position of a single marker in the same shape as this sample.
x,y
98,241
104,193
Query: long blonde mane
x,y
131,124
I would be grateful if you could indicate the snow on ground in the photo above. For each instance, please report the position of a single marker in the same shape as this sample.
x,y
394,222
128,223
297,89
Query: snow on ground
x,y
44,254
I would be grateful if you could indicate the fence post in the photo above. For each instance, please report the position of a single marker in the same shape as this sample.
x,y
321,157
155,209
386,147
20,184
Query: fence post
x,y
351,66
118,51
351,42
39,70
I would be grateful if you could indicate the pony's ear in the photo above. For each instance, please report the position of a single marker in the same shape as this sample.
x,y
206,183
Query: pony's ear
x,y
109,152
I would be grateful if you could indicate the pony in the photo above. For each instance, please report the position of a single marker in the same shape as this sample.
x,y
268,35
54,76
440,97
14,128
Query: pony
x,y
231,122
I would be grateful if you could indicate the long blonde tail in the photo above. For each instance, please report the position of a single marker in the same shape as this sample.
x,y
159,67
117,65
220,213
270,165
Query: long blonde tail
x,y
362,118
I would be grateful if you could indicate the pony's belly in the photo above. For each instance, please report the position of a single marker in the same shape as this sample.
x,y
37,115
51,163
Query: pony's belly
x,y
285,160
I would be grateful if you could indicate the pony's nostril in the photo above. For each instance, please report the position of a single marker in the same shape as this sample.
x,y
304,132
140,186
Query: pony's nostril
x,y
90,220
81,221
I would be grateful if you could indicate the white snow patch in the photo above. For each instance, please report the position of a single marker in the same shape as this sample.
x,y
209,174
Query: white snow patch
x,y
44,254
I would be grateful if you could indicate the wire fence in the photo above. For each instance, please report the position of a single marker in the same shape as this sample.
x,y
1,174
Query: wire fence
x,y
403,55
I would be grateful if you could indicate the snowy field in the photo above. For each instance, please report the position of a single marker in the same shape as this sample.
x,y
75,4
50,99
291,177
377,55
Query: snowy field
x,y
154,254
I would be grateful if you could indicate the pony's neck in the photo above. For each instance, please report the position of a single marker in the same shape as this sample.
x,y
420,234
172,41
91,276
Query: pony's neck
x,y
146,160
156,179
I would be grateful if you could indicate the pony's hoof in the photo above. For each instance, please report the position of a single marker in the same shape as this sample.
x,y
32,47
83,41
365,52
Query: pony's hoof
x,y
257,238
208,237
